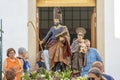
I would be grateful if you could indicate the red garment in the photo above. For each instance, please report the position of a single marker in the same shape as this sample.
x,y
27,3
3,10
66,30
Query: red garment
x,y
67,50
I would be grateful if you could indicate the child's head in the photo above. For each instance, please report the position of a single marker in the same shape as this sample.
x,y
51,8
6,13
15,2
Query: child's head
x,y
10,74
41,55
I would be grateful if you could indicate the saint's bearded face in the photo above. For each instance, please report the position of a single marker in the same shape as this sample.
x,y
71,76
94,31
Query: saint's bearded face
x,y
56,22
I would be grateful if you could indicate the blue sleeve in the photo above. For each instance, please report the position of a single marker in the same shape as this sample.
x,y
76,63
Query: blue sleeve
x,y
49,34
98,56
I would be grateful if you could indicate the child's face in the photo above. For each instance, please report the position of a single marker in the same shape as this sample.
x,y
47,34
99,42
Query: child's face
x,y
42,56
80,36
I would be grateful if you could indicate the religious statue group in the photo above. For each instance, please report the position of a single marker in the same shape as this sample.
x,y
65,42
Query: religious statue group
x,y
57,42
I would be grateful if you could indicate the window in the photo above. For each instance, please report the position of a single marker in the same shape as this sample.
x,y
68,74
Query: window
x,y
72,17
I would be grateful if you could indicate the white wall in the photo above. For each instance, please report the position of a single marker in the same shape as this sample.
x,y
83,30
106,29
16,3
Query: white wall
x,y
117,18
112,44
14,15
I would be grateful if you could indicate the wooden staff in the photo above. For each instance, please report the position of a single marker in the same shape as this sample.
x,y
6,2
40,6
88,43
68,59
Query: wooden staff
x,y
30,22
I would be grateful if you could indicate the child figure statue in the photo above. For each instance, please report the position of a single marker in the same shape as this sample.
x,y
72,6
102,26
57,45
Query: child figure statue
x,y
78,48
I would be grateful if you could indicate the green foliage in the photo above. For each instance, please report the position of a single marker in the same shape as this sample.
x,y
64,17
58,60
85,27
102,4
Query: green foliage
x,y
41,70
25,76
34,75
43,74
67,74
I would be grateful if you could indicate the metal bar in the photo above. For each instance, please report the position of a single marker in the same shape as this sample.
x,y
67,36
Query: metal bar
x,y
1,50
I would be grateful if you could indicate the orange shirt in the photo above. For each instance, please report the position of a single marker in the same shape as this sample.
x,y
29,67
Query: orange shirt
x,y
14,64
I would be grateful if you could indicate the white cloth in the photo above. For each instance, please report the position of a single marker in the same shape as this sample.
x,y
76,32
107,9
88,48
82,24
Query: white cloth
x,y
46,54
